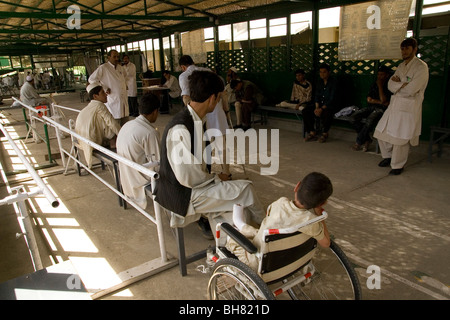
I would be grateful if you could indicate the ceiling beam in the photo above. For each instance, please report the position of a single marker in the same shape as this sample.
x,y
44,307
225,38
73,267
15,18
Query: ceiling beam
x,y
71,31
90,16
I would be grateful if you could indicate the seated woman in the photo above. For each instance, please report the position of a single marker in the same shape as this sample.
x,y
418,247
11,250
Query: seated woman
x,y
301,92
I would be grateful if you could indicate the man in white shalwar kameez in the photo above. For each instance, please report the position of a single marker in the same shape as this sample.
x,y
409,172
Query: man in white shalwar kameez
x,y
112,78
29,95
401,123
130,77
95,122
216,119
138,141
185,186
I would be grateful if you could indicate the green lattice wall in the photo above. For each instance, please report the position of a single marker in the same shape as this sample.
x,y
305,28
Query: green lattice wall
x,y
273,72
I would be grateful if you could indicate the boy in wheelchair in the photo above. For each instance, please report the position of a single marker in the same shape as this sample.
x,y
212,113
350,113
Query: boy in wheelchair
x,y
310,195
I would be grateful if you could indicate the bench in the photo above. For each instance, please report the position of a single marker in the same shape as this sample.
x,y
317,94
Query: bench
x,y
104,159
444,134
264,110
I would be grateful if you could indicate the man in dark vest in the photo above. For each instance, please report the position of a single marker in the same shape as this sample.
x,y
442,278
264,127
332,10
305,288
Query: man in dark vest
x,y
186,187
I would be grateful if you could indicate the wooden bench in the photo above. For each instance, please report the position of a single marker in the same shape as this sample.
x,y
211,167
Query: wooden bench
x,y
444,133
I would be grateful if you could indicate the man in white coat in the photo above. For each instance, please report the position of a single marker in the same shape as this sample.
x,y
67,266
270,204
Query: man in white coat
x,y
130,76
111,76
401,123
138,141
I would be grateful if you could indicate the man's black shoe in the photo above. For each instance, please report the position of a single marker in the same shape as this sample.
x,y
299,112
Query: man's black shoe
x,y
385,162
396,172
203,225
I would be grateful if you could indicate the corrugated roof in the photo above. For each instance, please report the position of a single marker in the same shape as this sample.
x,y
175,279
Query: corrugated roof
x,y
42,24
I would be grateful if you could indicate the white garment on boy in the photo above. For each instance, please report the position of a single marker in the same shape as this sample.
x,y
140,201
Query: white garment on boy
x,y
282,213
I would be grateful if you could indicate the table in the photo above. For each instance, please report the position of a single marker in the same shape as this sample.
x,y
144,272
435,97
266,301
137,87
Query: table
x,y
162,93
146,82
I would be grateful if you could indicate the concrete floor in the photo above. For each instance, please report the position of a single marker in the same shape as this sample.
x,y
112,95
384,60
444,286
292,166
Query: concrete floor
x,y
399,223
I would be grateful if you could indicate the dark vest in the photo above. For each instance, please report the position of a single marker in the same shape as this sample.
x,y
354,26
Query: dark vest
x,y
169,192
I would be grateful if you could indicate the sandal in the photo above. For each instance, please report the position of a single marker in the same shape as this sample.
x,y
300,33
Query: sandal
x,y
366,146
310,137
356,147
323,138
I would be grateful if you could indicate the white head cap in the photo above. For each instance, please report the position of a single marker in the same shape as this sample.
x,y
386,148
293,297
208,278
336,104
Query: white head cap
x,y
92,86
234,69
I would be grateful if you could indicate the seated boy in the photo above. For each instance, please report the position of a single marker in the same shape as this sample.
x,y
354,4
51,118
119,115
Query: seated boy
x,y
310,195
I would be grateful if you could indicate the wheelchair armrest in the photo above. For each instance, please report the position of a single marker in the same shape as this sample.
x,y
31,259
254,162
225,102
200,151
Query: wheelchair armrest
x,y
238,237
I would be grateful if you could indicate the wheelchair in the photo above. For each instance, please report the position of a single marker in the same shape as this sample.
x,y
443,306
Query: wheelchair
x,y
291,265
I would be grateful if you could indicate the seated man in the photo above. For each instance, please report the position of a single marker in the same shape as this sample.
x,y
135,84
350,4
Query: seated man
x,y
172,84
29,95
248,97
301,92
138,141
185,186
377,102
95,122
324,108
310,195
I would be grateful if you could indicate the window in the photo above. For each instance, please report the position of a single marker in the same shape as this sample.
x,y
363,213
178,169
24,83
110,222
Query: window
x,y
277,27
258,29
301,22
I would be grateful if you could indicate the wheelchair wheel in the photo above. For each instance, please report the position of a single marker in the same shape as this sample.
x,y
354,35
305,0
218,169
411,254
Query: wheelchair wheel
x,y
334,278
233,280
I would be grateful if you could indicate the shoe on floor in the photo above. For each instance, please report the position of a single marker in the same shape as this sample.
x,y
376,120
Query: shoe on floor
x,y
396,172
385,162
366,146
356,147
310,137
323,138
203,225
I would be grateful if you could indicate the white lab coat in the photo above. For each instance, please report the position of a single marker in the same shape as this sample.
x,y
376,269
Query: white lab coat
x,y
130,77
95,123
137,141
113,79
402,121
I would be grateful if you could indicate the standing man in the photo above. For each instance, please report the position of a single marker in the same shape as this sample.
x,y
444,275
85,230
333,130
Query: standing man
x,y
187,66
401,123
130,77
138,141
185,186
111,76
